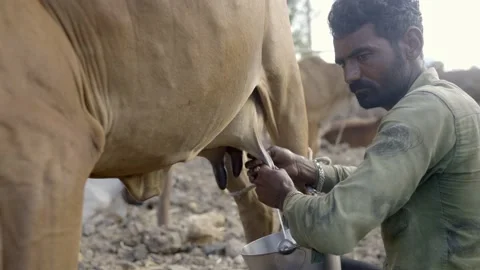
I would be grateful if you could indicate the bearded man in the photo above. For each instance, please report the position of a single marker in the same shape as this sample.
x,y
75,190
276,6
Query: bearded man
x,y
420,177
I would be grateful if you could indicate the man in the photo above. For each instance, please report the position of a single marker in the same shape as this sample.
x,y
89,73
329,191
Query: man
x,y
420,177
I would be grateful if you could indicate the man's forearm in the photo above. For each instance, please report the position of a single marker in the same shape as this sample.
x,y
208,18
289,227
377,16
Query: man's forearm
x,y
334,174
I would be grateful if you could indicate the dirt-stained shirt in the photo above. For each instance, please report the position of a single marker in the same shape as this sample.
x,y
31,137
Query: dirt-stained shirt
x,y
419,180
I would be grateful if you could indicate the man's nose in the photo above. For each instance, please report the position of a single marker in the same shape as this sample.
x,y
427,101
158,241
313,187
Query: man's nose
x,y
351,72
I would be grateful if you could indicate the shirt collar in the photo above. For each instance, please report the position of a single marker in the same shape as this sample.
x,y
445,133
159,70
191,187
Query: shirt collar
x,y
427,77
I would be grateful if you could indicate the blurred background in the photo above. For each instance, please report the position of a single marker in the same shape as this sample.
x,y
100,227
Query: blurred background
x,y
448,30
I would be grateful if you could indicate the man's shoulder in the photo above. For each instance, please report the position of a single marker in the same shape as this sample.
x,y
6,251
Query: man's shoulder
x,y
442,89
439,97
423,100
425,103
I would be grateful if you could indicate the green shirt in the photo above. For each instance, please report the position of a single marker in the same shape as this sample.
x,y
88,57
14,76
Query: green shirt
x,y
419,180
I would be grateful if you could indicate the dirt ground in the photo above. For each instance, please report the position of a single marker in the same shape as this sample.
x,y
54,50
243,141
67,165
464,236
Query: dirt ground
x,y
204,231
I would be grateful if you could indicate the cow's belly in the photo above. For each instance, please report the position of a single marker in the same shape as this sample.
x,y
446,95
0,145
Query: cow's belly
x,y
158,147
174,125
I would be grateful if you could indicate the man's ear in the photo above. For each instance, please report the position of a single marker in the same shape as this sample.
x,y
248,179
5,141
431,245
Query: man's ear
x,y
413,42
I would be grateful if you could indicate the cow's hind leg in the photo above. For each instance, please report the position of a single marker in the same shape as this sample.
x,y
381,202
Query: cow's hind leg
x,y
44,163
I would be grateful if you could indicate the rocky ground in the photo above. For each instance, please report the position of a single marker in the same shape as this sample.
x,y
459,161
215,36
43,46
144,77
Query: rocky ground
x,y
204,231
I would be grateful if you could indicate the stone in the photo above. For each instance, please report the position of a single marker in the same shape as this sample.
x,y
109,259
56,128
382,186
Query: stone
x,y
206,228
196,251
214,249
233,247
193,207
175,240
89,229
156,243
140,252
239,260
126,265
177,267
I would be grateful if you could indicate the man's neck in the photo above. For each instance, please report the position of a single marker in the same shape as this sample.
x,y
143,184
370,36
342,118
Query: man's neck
x,y
417,69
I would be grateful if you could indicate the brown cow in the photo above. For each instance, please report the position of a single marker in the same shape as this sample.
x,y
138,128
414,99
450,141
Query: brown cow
x,y
125,89
356,132
325,93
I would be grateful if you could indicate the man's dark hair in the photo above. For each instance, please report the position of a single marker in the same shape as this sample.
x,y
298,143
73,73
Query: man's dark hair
x,y
391,18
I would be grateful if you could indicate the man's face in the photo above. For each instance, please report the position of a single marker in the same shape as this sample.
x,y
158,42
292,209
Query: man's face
x,y
375,71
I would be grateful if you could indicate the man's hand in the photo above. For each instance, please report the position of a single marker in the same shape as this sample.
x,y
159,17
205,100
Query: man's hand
x,y
301,170
272,185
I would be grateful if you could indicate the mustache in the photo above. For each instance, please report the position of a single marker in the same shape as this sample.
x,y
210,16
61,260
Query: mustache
x,y
360,84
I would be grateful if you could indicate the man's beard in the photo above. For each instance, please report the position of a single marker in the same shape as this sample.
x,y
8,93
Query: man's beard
x,y
388,92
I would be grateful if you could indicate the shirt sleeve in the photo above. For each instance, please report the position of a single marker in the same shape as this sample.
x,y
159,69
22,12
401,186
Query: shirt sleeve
x,y
413,137
335,174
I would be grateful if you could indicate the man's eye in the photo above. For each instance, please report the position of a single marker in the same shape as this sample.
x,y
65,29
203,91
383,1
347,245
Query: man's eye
x,y
363,57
